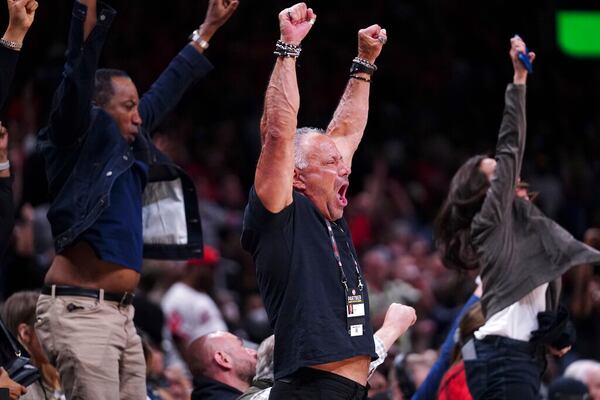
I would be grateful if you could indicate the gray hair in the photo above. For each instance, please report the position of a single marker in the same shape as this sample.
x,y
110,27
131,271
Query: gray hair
x,y
264,363
580,369
302,136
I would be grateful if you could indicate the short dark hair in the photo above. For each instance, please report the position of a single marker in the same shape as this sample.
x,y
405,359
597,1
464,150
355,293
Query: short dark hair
x,y
452,228
103,88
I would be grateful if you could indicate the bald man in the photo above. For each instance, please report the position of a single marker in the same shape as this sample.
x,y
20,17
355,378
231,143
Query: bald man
x,y
222,366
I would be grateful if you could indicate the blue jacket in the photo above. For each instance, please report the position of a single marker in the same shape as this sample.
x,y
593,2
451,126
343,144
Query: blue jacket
x,y
85,152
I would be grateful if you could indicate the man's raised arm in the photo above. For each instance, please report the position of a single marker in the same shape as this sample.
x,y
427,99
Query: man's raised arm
x,y
350,118
21,14
186,68
72,101
275,169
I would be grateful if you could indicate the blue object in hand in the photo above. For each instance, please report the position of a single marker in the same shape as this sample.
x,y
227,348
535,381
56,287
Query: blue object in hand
x,y
524,58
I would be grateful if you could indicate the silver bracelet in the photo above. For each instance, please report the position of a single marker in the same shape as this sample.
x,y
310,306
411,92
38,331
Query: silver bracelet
x,y
11,45
4,165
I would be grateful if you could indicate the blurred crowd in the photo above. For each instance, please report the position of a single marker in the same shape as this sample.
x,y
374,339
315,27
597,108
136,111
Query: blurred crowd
x,y
434,100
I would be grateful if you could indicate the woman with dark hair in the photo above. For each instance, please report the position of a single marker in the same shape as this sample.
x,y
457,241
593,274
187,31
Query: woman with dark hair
x,y
520,255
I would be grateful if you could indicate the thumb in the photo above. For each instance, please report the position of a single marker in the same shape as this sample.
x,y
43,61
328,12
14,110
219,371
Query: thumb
x,y
232,6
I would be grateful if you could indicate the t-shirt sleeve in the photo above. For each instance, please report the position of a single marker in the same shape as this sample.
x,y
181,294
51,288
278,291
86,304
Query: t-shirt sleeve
x,y
260,219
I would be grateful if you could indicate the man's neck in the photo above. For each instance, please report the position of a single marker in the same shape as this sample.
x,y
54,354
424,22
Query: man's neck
x,y
232,380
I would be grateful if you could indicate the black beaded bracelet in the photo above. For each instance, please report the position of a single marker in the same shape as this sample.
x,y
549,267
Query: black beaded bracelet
x,y
283,49
360,78
362,65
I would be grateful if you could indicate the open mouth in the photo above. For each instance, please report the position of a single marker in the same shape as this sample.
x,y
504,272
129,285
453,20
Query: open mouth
x,y
341,195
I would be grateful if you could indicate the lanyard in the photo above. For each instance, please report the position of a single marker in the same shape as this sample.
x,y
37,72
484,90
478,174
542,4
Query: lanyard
x,y
336,253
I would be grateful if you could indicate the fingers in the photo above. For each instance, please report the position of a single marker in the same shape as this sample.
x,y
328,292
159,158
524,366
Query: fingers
x,y
31,6
299,13
531,56
231,7
311,16
374,32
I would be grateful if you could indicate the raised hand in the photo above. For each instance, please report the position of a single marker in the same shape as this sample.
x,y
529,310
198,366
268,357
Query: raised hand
x,y
219,11
370,42
295,22
21,15
400,316
517,45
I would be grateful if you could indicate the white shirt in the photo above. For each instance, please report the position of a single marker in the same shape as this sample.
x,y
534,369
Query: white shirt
x,y
190,313
518,320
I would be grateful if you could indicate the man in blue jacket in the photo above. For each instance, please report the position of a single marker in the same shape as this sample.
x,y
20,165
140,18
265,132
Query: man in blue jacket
x,y
109,183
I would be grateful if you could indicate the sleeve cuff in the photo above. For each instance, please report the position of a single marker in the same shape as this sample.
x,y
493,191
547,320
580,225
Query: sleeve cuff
x,y
381,355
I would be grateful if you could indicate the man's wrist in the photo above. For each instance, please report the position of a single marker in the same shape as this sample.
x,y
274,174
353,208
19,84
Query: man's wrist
x,y
520,79
207,31
15,35
367,57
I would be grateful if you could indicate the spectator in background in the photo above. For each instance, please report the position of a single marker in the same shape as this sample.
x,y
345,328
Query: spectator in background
x,y
567,389
221,365
582,288
111,187
18,312
265,376
188,304
521,255
588,372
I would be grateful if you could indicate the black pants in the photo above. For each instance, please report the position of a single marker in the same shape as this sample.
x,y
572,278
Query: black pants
x,y
500,368
312,384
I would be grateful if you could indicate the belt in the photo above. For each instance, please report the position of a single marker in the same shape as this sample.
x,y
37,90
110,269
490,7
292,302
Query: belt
x,y
124,298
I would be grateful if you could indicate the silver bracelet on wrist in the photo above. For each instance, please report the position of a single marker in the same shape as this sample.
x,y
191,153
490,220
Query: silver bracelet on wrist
x,y
16,46
195,37
4,165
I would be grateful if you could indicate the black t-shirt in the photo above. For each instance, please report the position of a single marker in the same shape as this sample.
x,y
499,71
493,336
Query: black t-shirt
x,y
300,283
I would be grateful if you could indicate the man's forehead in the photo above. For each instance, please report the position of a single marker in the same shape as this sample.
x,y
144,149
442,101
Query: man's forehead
x,y
124,86
323,145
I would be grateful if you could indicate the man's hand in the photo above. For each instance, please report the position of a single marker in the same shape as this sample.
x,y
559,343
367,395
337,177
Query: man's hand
x,y
517,45
14,389
398,319
21,15
295,23
370,42
559,352
219,11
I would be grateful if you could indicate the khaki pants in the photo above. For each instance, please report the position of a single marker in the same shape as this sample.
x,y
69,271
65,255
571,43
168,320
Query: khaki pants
x,y
95,347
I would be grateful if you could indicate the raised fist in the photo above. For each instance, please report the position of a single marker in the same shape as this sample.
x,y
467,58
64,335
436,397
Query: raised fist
x,y
400,317
21,14
370,42
219,11
517,45
295,22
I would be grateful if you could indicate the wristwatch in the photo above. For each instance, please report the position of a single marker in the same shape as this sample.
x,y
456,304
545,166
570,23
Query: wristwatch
x,y
195,37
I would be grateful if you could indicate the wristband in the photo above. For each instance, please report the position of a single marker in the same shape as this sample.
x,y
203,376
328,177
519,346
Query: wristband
x,y
4,165
196,38
11,45
362,65
283,49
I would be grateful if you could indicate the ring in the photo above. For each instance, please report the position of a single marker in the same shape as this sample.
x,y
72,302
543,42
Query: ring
x,y
382,39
